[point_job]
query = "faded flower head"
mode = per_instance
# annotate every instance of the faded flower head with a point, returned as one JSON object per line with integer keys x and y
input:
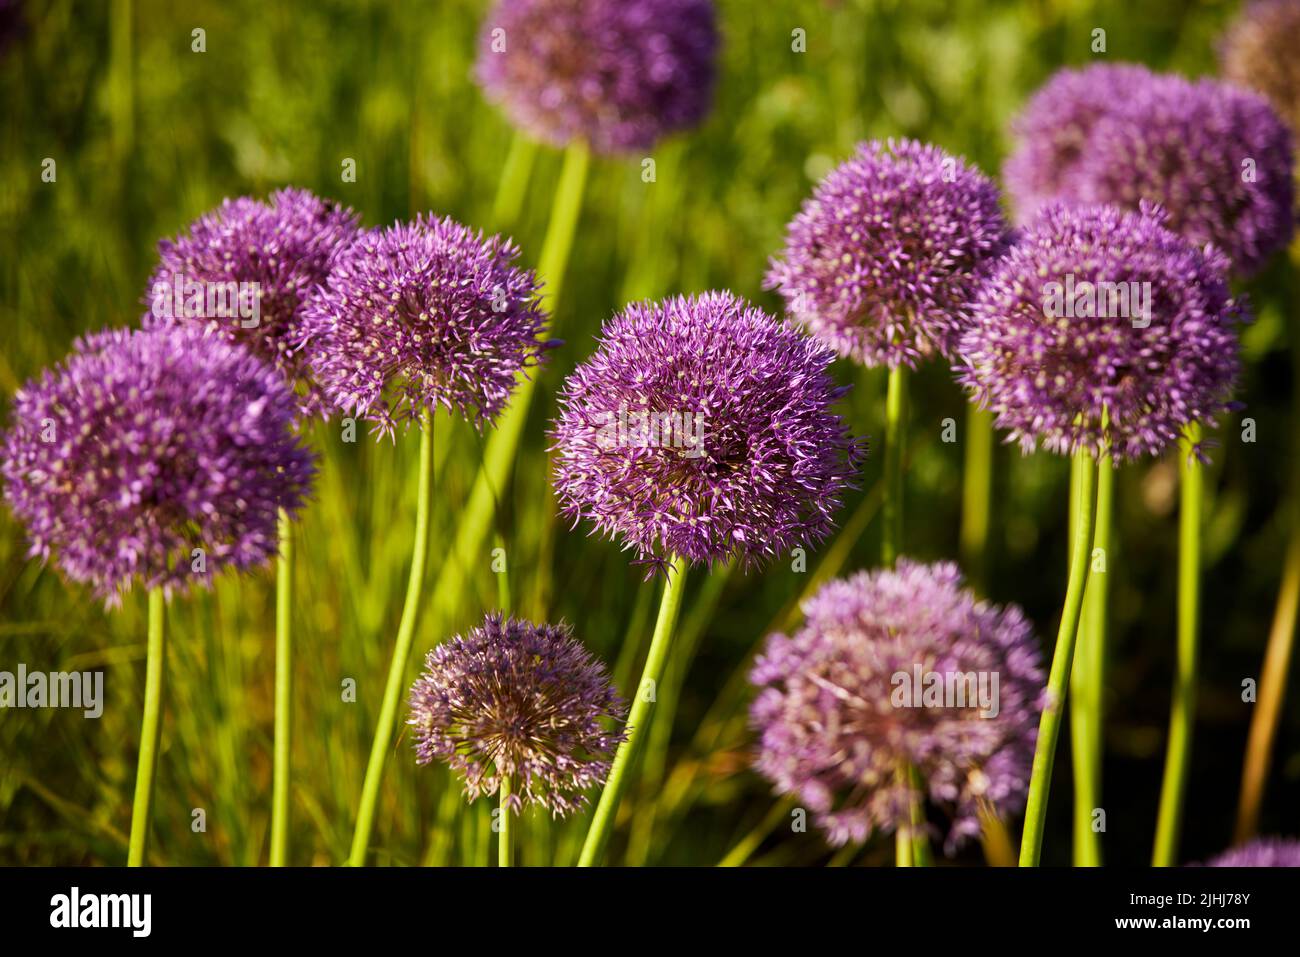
{"x": 898, "y": 670}
{"x": 702, "y": 427}
{"x": 1216, "y": 157}
{"x": 246, "y": 268}
{"x": 142, "y": 447}
{"x": 1259, "y": 53}
{"x": 525, "y": 701}
{"x": 619, "y": 74}
{"x": 1102, "y": 326}
{"x": 1261, "y": 852}
{"x": 423, "y": 314}
{"x": 882, "y": 260}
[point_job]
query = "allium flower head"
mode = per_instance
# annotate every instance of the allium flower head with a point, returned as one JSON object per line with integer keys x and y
{"x": 143, "y": 446}
{"x": 702, "y": 427}
{"x": 516, "y": 699}
{"x": 1218, "y": 158}
{"x": 1258, "y": 52}
{"x": 1102, "y": 326}
{"x": 1261, "y": 852}
{"x": 283, "y": 246}
{"x": 882, "y": 260}
{"x": 423, "y": 314}
{"x": 1053, "y": 131}
{"x": 619, "y": 74}
{"x": 898, "y": 670}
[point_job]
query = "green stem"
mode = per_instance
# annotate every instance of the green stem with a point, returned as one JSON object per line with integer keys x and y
{"x": 505, "y": 836}
{"x": 401, "y": 651}
{"x": 1088, "y": 680}
{"x": 911, "y": 846}
{"x": 1173, "y": 789}
{"x": 891, "y": 536}
{"x": 748, "y": 844}
{"x": 500, "y": 454}
{"x": 150, "y": 731}
{"x": 977, "y": 495}
{"x": 602, "y": 822}
{"x": 283, "y": 694}
{"x": 1058, "y": 680}
{"x": 513, "y": 184}
{"x": 1272, "y": 691}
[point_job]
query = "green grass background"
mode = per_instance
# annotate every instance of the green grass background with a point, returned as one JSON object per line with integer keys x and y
{"x": 147, "y": 135}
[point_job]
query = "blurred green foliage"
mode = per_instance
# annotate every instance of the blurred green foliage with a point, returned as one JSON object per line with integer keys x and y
{"x": 148, "y": 134}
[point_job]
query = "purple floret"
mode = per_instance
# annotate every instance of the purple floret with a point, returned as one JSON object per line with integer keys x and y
{"x": 702, "y": 427}
{"x": 515, "y": 699}
{"x": 1218, "y": 158}
{"x": 420, "y": 315}
{"x": 285, "y": 245}
{"x": 620, "y": 74}
{"x": 143, "y": 446}
{"x": 1261, "y": 852}
{"x": 882, "y": 261}
{"x": 1084, "y": 380}
{"x": 840, "y": 728}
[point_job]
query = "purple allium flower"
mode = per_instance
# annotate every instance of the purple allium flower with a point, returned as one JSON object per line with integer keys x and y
{"x": 1258, "y": 52}
{"x": 143, "y": 446}
{"x": 1053, "y": 131}
{"x": 1261, "y": 852}
{"x": 284, "y": 246}
{"x": 518, "y": 699}
{"x": 1218, "y": 158}
{"x": 1099, "y": 315}
{"x": 882, "y": 260}
{"x": 898, "y": 670}
{"x": 702, "y": 427}
{"x": 423, "y": 314}
{"x": 619, "y": 74}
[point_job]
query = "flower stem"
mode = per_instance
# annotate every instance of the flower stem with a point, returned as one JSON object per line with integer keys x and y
{"x": 1058, "y": 680}
{"x": 150, "y": 730}
{"x": 1173, "y": 790}
{"x": 976, "y": 495}
{"x": 1272, "y": 690}
{"x": 505, "y": 835}
{"x": 499, "y": 456}
{"x": 513, "y": 184}
{"x": 891, "y": 535}
{"x": 283, "y": 694}
{"x": 602, "y": 822}
{"x": 401, "y": 651}
{"x": 1281, "y": 635}
{"x": 1088, "y": 681}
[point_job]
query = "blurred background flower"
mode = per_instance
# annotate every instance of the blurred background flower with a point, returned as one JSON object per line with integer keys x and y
{"x": 619, "y": 74}
{"x": 834, "y": 731}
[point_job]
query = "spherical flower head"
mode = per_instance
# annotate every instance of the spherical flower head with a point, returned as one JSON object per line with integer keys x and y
{"x": 1258, "y": 52}
{"x": 1102, "y": 328}
{"x": 619, "y": 74}
{"x": 1261, "y": 852}
{"x": 898, "y": 672}
{"x": 246, "y": 268}
{"x": 882, "y": 261}
{"x": 1053, "y": 131}
{"x": 144, "y": 447}
{"x": 419, "y": 315}
{"x": 518, "y": 700}
{"x": 1216, "y": 157}
{"x": 701, "y": 427}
